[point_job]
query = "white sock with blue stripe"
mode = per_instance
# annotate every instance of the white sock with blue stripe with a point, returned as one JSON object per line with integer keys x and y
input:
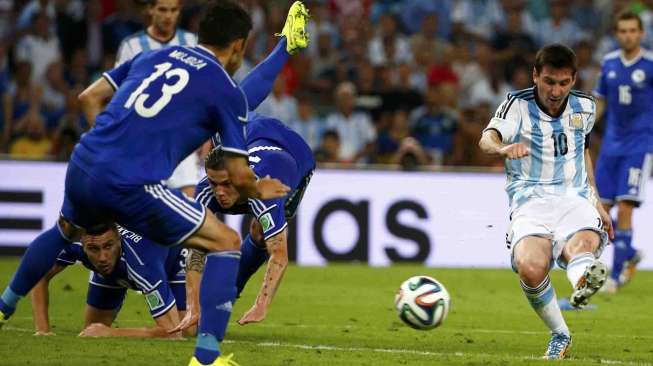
{"x": 545, "y": 303}
{"x": 577, "y": 266}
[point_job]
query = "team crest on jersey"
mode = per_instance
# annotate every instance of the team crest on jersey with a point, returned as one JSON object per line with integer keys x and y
{"x": 638, "y": 76}
{"x": 576, "y": 121}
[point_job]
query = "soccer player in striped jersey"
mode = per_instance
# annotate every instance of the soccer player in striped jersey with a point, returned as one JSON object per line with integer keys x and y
{"x": 625, "y": 91}
{"x": 161, "y": 33}
{"x": 277, "y": 151}
{"x": 543, "y": 133}
{"x": 121, "y": 260}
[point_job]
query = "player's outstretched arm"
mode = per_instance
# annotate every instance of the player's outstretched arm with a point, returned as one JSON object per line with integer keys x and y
{"x": 491, "y": 144}
{"x": 97, "y": 327}
{"x": 278, "y": 248}
{"x": 194, "y": 269}
{"x": 92, "y": 98}
{"x": 41, "y": 301}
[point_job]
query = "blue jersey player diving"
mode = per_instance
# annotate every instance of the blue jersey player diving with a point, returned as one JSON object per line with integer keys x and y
{"x": 121, "y": 260}
{"x": 276, "y": 151}
{"x": 555, "y": 216}
{"x": 164, "y": 104}
{"x": 624, "y": 96}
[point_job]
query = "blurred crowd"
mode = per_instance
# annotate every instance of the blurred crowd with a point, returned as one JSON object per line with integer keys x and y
{"x": 406, "y": 82}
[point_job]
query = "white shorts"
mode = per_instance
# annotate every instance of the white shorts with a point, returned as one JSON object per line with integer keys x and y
{"x": 557, "y": 219}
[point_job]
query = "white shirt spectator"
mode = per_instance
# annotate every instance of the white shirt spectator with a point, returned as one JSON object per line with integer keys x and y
{"x": 482, "y": 92}
{"x": 567, "y": 33}
{"x": 378, "y": 57}
{"x": 38, "y": 51}
{"x": 478, "y": 17}
{"x": 355, "y": 132}
{"x": 284, "y": 108}
{"x": 310, "y": 131}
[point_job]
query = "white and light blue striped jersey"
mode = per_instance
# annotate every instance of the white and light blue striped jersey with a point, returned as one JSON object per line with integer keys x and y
{"x": 143, "y": 42}
{"x": 556, "y": 164}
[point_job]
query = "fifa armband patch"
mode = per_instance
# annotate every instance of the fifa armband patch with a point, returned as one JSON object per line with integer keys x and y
{"x": 154, "y": 300}
{"x": 266, "y": 221}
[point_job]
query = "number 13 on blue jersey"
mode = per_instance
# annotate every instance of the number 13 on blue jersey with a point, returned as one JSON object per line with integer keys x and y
{"x": 138, "y": 97}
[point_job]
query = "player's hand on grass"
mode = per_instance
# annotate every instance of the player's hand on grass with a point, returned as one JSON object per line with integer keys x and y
{"x": 607, "y": 221}
{"x": 269, "y": 188}
{"x": 44, "y": 333}
{"x": 191, "y": 318}
{"x": 96, "y": 330}
{"x": 515, "y": 151}
{"x": 254, "y": 315}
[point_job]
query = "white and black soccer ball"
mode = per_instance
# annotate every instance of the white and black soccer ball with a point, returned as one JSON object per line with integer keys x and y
{"x": 422, "y": 302}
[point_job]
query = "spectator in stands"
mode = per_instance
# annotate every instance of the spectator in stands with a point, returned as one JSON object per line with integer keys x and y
{"x": 323, "y": 65}
{"x": 31, "y": 9}
{"x": 434, "y": 125}
{"x": 307, "y": 124}
{"x": 413, "y": 13}
{"x": 40, "y": 48}
{"x": 477, "y": 19}
{"x": 427, "y": 39}
{"x": 388, "y": 47}
{"x": 491, "y": 88}
{"x": 355, "y": 128}
{"x": 558, "y": 28}
{"x": 588, "y": 70}
{"x": 53, "y": 101}
{"x": 34, "y": 144}
{"x": 279, "y": 104}
{"x": 329, "y": 148}
{"x": 394, "y": 143}
{"x": 119, "y": 25}
{"x": 21, "y": 96}
{"x": 513, "y": 46}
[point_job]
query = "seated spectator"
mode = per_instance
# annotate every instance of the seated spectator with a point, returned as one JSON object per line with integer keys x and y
{"x": 55, "y": 89}
{"x": 355, "y": 128}
{"x": 21, "y": 96}
{"x": 558, "y": 28}
{"x": 395, "y": 142}
{"x": 40, "y": 48}
{"x": 307, "y": 124}
{"x": 33, "y": 144}
{"x": 388, "y": 47}
{"x": 279, "y": 104}
{"x": 329, "y": 148}
{"x": 434, "y": 125}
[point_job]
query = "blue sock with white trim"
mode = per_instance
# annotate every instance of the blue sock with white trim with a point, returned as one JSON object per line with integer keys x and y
{"x": 217, "y": 295}
{"x": 257, "y": 85}
{"x": 38, "y": 260}
{"x": 543, "y": 300}
{"x": 623, "y": 251}
{"x": 251, "y": 260}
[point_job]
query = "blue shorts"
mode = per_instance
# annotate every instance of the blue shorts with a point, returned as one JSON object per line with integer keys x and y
{"x": 623, "y": 178}
{"x": 156, "y": 212}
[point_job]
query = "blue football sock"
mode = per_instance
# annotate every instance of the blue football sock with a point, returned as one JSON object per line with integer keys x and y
{"x": 251, "y": 259}
{"x": 622, "y": 251}
{"x": 217, "y": 294}
{"x": 37, "y": 261}
{"x": 258, "y": 83}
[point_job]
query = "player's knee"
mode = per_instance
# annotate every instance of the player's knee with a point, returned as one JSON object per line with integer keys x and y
{"x": 587, "y": 243}
{"x": 532, "y": 268}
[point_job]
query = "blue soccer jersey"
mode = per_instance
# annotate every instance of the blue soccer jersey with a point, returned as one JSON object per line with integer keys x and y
{"x": 627, "y": 87}
{"x": 279, "y": 152}
{"x": 167, "y": 103}
{"x": 144, "y": 266}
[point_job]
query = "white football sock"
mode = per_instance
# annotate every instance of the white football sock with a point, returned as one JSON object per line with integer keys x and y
{"x": 577, "y": 266}
{"x": 545, "y": 303}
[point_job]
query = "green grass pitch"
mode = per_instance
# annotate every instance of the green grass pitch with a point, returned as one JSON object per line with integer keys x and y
{"x": 344, "y": 315}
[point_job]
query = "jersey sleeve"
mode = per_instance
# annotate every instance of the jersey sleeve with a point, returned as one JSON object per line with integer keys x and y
{"x": 69, "y": 255}
{"x": 146, "y": 268}
{"x": 270, "y": 215}
{"x": 118, "y": 74}
{"x": 506, "y": 120}
{"x": 230, "y": 114}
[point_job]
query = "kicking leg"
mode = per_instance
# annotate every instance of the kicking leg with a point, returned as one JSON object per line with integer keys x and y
{"x": 585, "y": 272}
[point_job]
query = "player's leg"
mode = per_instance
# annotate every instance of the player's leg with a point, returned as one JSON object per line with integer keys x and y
{"x": 257, "y": 85}
{"x": 42, "y": 252}
{"x": 623, "y": 248}
{"x": 532, "y": 260}
{"x": 586, "y": 273}
{"x": 254, "y": 254}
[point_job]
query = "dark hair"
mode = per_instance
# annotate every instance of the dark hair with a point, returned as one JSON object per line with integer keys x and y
{"x": 100, "y": 229}
{"x": 331, "y": 134}
{"x": 557, "y": 56}
{"x": 215, "y": 159}
{"x": 628, "y": 15}
{"x": 223, "y": 22}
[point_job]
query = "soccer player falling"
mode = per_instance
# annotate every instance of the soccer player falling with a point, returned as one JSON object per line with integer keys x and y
{"x": 624, "y": 91}
{"x": 556, "y": 217}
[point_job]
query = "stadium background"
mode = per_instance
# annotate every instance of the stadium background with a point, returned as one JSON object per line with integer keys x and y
{"x": 388, "y": 86}
{"x": 428, "y": 75}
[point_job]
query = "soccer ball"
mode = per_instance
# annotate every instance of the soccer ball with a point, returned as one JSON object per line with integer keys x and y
{"x": 422, "y": 302}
